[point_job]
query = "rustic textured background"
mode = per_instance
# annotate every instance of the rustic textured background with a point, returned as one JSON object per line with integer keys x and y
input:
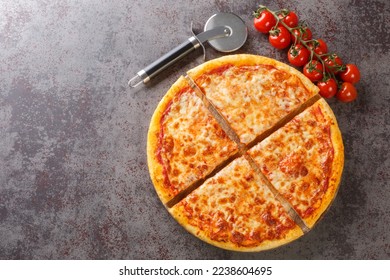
{"x": 74, "y": 181}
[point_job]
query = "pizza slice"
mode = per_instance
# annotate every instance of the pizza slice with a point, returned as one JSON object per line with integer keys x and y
{"x": 185, "y": 143}
{"x": 253, "y": 93}
{"x": 304, "y": 160}
{"x": 235, "y": 210}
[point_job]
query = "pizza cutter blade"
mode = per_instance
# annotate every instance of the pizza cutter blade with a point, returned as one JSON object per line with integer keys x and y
{"x": 225, "y": 32}
{"x": 237, "y": 27}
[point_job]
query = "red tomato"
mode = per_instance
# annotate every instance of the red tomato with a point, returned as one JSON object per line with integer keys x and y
{"x": 351, "y": 74}
{"x": 313, "y": 70}
{"x": 319, "y": 46}
{"x": 333, "y": 63}
{"x": 279, "y": 37}
{"x": 327, "y": 88}
{"x": 347, "y": 92}
{"x": 302, "y": 33}
{"x": 264, "y": 21}
{"x": 298, "y": 55}
{"x": 289, "y": 18}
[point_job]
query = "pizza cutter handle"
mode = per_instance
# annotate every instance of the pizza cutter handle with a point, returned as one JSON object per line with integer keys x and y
{"x": 163, "y": 62}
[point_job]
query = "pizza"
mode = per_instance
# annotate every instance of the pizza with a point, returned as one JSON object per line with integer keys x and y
{"x": 234, "y": 210}
{"x": 303, "y": 160}
{"x": 252, "y": 93}
{"x": 185, "y": 142}
{"x": 244, "y": 153}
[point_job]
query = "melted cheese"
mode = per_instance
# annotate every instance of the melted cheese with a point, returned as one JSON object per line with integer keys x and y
{"x": 191, "y": 143}
{"x": 253, "y": 98}
{"x": 297, "y": 160}
{"x": 235, "y": 207}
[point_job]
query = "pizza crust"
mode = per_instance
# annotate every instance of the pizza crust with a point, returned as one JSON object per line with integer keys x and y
{"x": 292, "y": 235}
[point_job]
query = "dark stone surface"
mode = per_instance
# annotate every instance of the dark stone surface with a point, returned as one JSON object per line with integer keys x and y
{"x": 74, "y": 183}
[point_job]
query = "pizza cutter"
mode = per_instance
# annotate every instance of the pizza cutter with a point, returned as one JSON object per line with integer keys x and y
{"x": 225, "y": 32}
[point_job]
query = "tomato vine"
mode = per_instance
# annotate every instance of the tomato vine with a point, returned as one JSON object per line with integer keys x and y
{"x": 326, "y": 69}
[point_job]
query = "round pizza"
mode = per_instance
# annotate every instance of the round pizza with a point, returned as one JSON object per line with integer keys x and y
{"x": 244, "y": 153}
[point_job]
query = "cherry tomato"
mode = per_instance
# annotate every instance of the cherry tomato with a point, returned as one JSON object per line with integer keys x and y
{"x": 313, "y": 70}
{"x": 327, "y": 88}
{"x": 279, "y": 37}
{"x": 298, "y": 55}
{"x": 351, "y": 74}
{"x": 333, "y": 63}
{"x": 319, "y": 46}
{"x": 264, "y": 21}
{"x": 289, "y": 18}
{"x": 347, "y": 92}
{"x": 302, "y": 33}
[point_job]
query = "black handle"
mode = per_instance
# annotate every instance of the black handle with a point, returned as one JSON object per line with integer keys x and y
{"x": 169, "y": 58}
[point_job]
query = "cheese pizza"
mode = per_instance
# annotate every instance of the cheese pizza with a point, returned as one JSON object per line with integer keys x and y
{"x": 235, "y": 210}
{"x": 253, "y": 93}
{"x": 244, "y": 153}
{"x": 303, "y": 160}
{"x": 185, "y": 142}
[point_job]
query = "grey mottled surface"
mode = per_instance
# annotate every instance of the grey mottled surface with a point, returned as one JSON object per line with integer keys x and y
{"x": 74, "y": 182}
